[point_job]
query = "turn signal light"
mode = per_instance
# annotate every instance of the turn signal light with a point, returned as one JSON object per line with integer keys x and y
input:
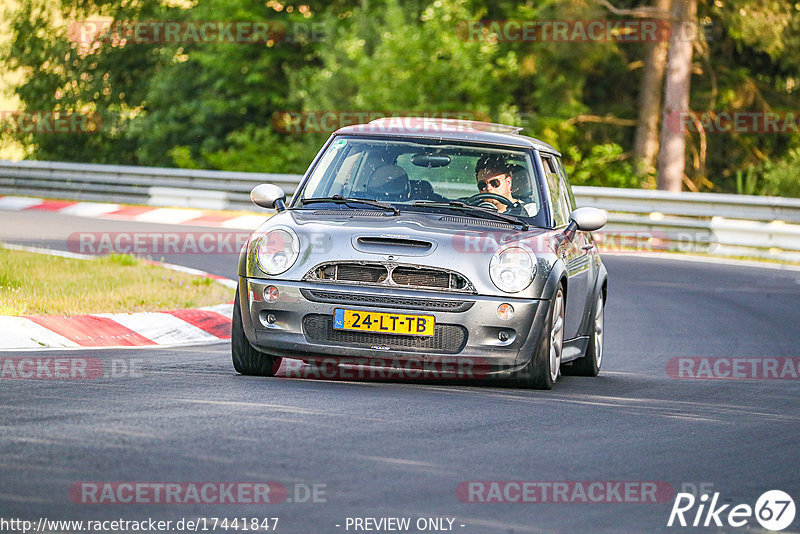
{"x": 505, "y": 312}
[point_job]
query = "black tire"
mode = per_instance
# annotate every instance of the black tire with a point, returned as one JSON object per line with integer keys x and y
{"x": 246, "y": 359}
{"x": 539, "y": 373}
{"x": 589, "y": 365}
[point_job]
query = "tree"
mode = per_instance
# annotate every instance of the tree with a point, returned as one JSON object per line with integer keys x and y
{"x": 64, "y": 74}
{"x": 645, "y": 146}
{"x": 214, "y": 104}
{"x": 672, "y": 149}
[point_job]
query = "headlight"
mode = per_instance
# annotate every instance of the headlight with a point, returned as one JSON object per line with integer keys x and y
{"x": 512, "y": 269}
{"x": 277, "y": 250}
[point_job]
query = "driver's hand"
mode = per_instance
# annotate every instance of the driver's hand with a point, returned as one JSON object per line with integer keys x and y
{"x": 496, "y": 203}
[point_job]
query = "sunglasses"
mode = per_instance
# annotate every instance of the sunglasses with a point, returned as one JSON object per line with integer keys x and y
{"x": 494, "y": 182}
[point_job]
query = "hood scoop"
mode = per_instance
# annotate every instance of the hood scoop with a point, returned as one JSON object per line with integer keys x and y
{"x": 399, "y": 245}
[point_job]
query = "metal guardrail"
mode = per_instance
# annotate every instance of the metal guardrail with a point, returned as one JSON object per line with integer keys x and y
{"x": 718, "y": 224}
{"x": 154, "y": 186}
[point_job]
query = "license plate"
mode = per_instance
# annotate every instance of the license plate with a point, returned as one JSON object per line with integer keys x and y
{"x": 386, "y": 323}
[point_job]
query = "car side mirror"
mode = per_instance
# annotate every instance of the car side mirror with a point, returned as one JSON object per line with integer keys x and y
{"x": 588, "y": 219}
{"x": 268, "y": 196}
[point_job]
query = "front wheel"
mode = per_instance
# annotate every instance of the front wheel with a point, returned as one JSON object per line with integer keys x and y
{"x": 590, "y": 364}
{"x": 541, "y": 372}
{"x": 246, "y": 359}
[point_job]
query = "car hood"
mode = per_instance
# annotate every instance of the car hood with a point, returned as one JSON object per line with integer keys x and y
{"x": 445, "y": 240}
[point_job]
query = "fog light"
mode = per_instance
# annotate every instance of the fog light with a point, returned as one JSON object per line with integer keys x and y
{"x": 271, "y": 318}
{"x": 505, "y": 312}
{"x": 503, "y": 336}
{"x": 271, "y": 293}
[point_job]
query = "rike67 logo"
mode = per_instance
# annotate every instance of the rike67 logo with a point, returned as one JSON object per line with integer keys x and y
{"x": 774, "y": 510}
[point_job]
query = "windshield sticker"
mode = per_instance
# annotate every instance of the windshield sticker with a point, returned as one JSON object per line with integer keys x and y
{"x": 338, "y": 144}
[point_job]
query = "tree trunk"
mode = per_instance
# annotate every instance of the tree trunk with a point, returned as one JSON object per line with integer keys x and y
{"x": 645, "y": 146}
{"x": 672, "y": 150}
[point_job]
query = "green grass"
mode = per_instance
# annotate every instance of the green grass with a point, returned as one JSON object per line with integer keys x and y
{"x": 37, "y": 284}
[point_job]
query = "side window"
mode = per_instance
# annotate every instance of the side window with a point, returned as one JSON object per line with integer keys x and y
{"x": 568, "y": 187}
{"x": 558, "y": 192}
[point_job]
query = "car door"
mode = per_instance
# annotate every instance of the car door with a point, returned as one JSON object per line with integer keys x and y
{"x": 573, "y": 252}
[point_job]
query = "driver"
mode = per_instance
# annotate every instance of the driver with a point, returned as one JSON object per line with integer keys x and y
{"x": 494, "y": 176}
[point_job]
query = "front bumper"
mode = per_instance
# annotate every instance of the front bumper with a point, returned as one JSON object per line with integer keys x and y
{"x": 299, "y": 325}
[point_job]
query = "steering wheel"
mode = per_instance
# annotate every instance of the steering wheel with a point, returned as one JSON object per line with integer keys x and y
{"x": 474, "y": 199}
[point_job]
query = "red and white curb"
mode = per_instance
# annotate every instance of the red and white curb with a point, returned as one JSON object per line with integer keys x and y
{"x": 180, "y": 327}
{"x": 134, "y": 213}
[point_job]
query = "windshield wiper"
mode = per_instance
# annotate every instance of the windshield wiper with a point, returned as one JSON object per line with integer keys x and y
{"x": 339, "y": 199}
{"x": 475, "y": 210}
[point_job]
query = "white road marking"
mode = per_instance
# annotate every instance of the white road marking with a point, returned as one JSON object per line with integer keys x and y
{"x": 18, "y": 203}
{"x": 47, "y": 251}
{"x": 162, "y": 328}
{"x": 168, "y": 215}
{"x": 89, "y": 209}
{"x": 19, "y": 332}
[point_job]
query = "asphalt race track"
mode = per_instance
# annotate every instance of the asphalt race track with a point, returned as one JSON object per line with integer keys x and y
{"x": 379, "y": 450}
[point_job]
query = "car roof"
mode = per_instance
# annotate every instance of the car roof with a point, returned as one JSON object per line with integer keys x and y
{"x": 449, "y": 130}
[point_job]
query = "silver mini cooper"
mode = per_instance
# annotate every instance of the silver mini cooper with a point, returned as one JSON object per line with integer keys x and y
{"x": 434, "y": 248}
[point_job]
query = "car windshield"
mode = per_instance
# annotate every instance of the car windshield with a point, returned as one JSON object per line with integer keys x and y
{"x": 426, "y": 175}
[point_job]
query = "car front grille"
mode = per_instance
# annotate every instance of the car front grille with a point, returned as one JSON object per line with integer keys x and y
{"x": 409, "y": 276}
{"x": 446, "y": 339}
{"x": 406, "y": 276}
{"x": 351, "y": 272}
{"x": 386, "y": 301}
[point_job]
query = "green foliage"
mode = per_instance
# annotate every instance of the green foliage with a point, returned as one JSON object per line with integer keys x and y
{"x": 9, "y": 283}
{"x": 405, "y": 63}
{"x": 782, "y": 177}
{"x": 261, "y": 148}
{"x": 123, "y": 259}
{"x": 63, "y": 74}
{"x": 202, "y": 282}
{"x": 748, "y": 61}
{"x": 603, "y": 166}
{"x": 215, "y": 100}
{"x": 747, "y": 182}
{"x": 764, "y": 26}
{"x": 214, "y": 104}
